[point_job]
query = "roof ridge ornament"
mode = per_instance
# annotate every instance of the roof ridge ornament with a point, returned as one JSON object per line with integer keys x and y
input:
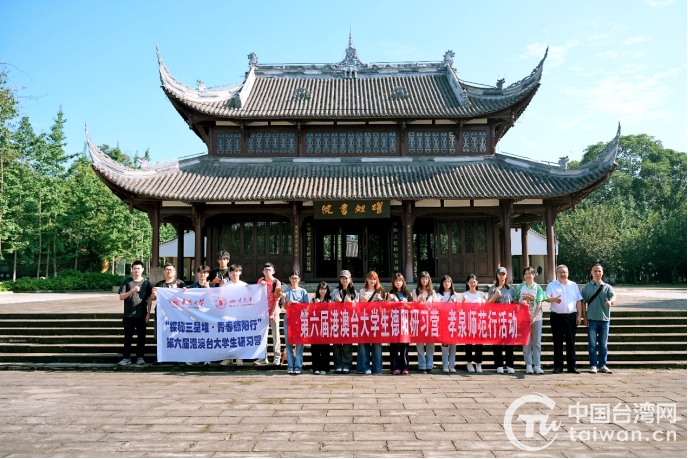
{"x": 449, "y": 58}
{"x": 253, "y": 60}
{"x": 351, "y": 64}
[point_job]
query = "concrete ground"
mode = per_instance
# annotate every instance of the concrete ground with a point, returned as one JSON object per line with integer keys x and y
{"x": 628, "y": 298}
{"x": 187, "y": 414}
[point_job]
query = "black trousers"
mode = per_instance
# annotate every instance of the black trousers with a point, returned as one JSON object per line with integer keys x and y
{"x": 564, "y": 329}
{"x": 322, "y": 353}
{"x": 478, "y": 353}
{"x": 507, "y": 351}
{"x": 398, "y": 356}
{"x": 134, "y": 325}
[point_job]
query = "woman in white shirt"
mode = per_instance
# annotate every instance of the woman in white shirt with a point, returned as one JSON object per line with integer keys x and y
{"x": 446, "y": 294}
{"x": 473, "y": 295}
{"x": 424, "y": 293}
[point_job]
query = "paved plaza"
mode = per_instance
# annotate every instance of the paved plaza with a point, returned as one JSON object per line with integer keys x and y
{"x": 179, "y": 414}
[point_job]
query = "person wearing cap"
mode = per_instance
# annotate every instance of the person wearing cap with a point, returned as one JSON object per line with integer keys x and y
{"x": 502, "y": 292}
{"x": 344, "y": 293}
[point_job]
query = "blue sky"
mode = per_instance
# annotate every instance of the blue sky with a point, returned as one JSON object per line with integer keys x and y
{"x": 609, "y": 61}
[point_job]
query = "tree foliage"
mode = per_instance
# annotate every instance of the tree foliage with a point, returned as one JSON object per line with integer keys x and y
{"x": 55, "y": 213}
{"x": 635, "y": 223}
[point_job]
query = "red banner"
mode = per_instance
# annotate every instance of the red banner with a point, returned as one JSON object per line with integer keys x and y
{"x": 396, "y": 322}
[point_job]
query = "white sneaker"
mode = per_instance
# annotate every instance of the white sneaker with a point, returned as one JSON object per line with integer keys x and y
{"x": 124, "y": 362}
{"x": 452, "y": 369}
{"x": 316, "y": 372}
{"x": 470, "y": 368}
{"x": 291, "y": 372}
{"x": 593, "y": 369}
{"x": 500, "y": 370}
{"x": 297, "y": 371}
{"x": 539, "y": 370}
{"x": 510, "y": 370}
{"x": 238, "y": 362}
{"x": 445, "y": 368}
{"x": 529, "y": 369}
{"x": 604, "y": 369}
{"x": 368, "y": 372}
{"x": 276, "y": 362}
{"x": 478, "y": 368}
{"x": 225, "y": 362}
{"x": 140, "y": 361}
{"x": 260, "y": 362}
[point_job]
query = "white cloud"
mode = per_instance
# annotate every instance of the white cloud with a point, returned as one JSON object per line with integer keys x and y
{"x": 636, "y": 40}
{"x": 555, "y": 56}
{"x": 569, "y": 124}
{"x": 658, "y": 3}
{"x": 634, "y": 99}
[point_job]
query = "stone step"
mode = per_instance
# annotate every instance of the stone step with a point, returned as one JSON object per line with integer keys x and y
{"x": 113, "y": 338}
{"x": 642, "y": 360}
{"x": 647, "y": 351}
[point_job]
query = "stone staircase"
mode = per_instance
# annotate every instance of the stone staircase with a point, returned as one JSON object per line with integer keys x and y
{"x": 638, "y": 339}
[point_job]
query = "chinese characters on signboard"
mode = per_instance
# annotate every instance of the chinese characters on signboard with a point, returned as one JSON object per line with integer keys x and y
{"x": 324, "y": 210}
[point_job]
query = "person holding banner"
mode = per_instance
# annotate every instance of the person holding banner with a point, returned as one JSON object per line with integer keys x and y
{"x": 201, "y": 277}
{"x": 135, "y": 291}
{"x": 235, "y": 274}
{"x": 170, "y": 281}
{"x": 368, "y": 353}
{"x": 398, "y": 352}
{"x": 502, "y": 292}
{"x": 531, "y": 294}
{"x": 473, "y": 295}
{"x": 294, "y": 294}
{"x": 424, "y": 293}
{"x": 321, "y": 352}
{"x": 344, "y": 293}
{"x": 274, "y": 290}
{"x": 446, "y": 294}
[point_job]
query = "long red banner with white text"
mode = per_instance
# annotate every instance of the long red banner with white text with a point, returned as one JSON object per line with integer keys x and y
{"x": 396, "y": 322}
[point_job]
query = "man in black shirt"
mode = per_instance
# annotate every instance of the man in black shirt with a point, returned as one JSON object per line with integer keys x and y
{"x": 220, "y": 275}
{"x": 135, "y": 291}
{"x": 201, "y": 277}
{"x": 170, "y": 281}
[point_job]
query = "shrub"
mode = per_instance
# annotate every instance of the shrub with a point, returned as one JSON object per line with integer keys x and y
{"x": 66, "y": 281}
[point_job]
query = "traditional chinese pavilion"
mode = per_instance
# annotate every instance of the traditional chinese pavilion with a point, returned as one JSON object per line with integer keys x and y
{"x": 354, "y": 165}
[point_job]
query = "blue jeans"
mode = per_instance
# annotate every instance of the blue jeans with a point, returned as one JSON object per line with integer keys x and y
{"x": 368, "y": 353}
{"x": 425, "y": 351}
{"x": 293, "y": 361}
{"x": 598, "y": 332}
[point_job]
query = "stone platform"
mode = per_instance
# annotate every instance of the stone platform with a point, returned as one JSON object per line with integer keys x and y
{"x": 271, "y": 414}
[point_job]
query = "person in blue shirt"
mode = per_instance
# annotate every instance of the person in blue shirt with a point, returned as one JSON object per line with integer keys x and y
{"x": 294, "y": 294}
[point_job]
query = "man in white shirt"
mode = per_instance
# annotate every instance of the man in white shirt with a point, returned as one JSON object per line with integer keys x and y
{"x": 565, "y": 306}
{"x": 235, "y": 271}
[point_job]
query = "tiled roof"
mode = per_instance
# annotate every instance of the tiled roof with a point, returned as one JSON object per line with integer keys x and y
{"x": 350, "y": 89}
{"x": 208, "y": 178}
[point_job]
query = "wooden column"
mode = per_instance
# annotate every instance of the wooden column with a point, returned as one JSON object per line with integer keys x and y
{"x": 525, "y": 253}
{"x": 198, "y": 218}
{"x": 497, "y": 246}
{"x": 408, "y": 241}
{"x": 154, "y": 217}
{"x": 550, "y": 259}
{"x": 296, "y": 236}
{"x": 506, "y": 206}
{"x": 180, "y": 249}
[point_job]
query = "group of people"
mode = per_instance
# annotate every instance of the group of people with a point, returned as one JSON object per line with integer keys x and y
{"x": 569, "y": 306}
